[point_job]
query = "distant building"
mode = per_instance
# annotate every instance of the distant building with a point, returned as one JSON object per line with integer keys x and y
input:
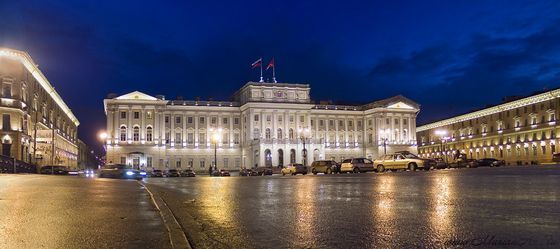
{"x": 86, "y": 157}
{"x": 37, "y": 126}
{"x": 265, "y": 125}
{"x": 521, "y": 131}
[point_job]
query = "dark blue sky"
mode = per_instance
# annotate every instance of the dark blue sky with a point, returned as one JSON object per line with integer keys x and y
{"x": 450, "y": 56}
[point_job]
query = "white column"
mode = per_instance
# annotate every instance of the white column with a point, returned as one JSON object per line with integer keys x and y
{"x": 184, "y": 132}
{"x": 172, "y": 132}
{"x": 196, "y": 131}
{"x": 142, "y": 124}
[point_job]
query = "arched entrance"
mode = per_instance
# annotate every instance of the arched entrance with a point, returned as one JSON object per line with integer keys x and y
{"x": 267, "y": 158}
{"x": 280, "y": 158}
{"x": 292, "y": 156}
{"x": 316, "y": 155}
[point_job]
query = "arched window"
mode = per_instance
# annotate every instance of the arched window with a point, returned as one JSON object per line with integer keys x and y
{"x": 267, "y": 133}
{"x": 123, "y": 133}
{"x": 136, "y": 133}
{"x": 149, "y": 134}
{"x": 291, "y": 133}
{"x": 279, "y": 134}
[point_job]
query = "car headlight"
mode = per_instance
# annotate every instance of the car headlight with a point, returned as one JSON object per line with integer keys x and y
{"x": 143, "y": 173}
{"x": 129, "y": 173}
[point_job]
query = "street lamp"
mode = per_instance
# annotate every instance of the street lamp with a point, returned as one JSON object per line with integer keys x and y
{"x": 216, "y": 138}
{"x": 303, "y": 135}
{"x": 384, "y": 138}
{"x": 443, "y": 138}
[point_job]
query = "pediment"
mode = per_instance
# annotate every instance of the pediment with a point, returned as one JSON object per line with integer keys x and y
{"x": 136, "y": 95}
{"x": 400, "y": 105}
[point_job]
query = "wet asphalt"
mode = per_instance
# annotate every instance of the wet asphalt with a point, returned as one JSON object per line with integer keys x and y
{"x": 43, "y": 211}
{"x": 507, "y": 207}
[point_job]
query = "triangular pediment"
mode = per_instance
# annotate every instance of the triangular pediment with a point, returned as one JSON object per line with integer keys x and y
{"x": 136, "y": 95}
{"x": 400, "y": 105}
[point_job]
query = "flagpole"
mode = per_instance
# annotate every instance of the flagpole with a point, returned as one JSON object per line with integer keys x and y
{"x": 261, "y": 72}
{"x": 273, "y": 72}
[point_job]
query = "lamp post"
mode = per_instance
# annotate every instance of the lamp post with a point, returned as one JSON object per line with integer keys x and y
{"x": 442, "y": 134}
{"x": 303, "y": 135}
{"x": 103, "y": 136}
{"x": 384, "y": 138}
{"x": 216, "y": 138}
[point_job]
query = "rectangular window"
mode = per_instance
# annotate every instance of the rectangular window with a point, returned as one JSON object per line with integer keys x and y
{"x": 136, "y": 115}
{"x": 166, "y": 119}
{"x": 6, "y": 122}
{"x": 405, "y": 121}
{"x": 340, "y": 124}
{"x": 291, "y": 119}
{"x": 225, "y": 121}
{"x": 202, "y": 138}
{"x": 256, "y": 118}
{"x": 7, "y": 90}
{"x": 236, "y": 138}
{"x": 280, "y": 118}
{"x": 301, "y": 118}
{"x": 201, "y": 120}
{"x": 177, "y": 120}
{"x": 226, "y": 162}
{"x": 190, "y": 163}
{"x": 213, "y": 121}
{"x": 190, "y": 138}
{"x": 123, "y": 114}
{"x": 178, "y": 138}
{"x": 189, "y": 120}
{"x": 149, "y": 161}
{"x": 321, "y": 122}
{"x": 396, "y": 121}
{"x": 268, "y": 118}
{"x": 236, "y": 121}
{"x": 202, "y": 163}
{"x": 237, "y": 163}
{"x": 149, "y": 115}
{"x": 387, "y": 121}
{"x": 178, "y": 163}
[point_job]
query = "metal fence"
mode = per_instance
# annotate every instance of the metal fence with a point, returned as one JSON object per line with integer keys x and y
{"x": 7, "y": 165}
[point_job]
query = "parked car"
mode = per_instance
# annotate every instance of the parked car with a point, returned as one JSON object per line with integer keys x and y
{"x": 119, "y": 171}
{"x": 491, "y": 162}
{"x": 403, "y": 160}
{"x": 156, "y": 173}
{"x": 248, "y": 172}
{"x": 325, "y": 166}
{"x": 440, "y": 163}
{"x": 222, "y": 172}
{"x": 188, "y": 173}
{"x": 556, "y": 157}
{"x": 54, "y": 169}
{"x": 172, "y": 173}
{"x": 356, "y": 165}
{"x": 294, "y": 169}
{"x": 265, "y": 172}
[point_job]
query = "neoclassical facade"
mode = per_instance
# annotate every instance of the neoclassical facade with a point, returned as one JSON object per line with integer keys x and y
{"x": 521, "y": 131}
{"x": 265, "y": 124}
{"x": 37, "y": 125}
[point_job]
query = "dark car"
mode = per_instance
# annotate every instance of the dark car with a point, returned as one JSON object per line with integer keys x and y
{"x": 325, "y": 166}
{"x": 172, "y": 173}
{"x": 119, "y": 171}
{"x": 188, "y": 173}
{"x": 55, "y": 170}
{"x": 491, "y": 162}
{"x": 247, "y": 172}
{"x": 156, "y": 173}
{"x": 440, "y": 163}
{"x": 265, "y": 172}
{"x": 221, "y": 172}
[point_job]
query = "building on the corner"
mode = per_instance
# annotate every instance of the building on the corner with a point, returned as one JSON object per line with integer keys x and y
{"x": 86, "y": 157}
{"x": 37, "y": 126}
{"x": 265, "y": 124}
{"x": 520, "y": 131}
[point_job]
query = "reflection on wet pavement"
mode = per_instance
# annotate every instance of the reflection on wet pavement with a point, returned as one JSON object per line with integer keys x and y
{"x": 445, "y": 208}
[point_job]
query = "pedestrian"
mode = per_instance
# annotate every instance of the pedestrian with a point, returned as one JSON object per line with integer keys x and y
{"x": 210, "y": 170}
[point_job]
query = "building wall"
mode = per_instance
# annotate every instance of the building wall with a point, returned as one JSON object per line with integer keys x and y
{"x": 252, "y": 133}
{"x": 523, "y": 131}
{"x": 34, "y": 111}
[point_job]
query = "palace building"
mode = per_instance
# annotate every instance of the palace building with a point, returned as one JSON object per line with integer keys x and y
{"x": 37, "y": 126}
{"x": 520, "y": 131}
{"x": 264, "y": 124}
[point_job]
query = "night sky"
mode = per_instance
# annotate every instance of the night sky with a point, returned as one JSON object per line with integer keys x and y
{"x": 449, "y": 56}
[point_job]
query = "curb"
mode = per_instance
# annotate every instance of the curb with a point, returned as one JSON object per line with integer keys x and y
{"x": 177, "y": 236}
